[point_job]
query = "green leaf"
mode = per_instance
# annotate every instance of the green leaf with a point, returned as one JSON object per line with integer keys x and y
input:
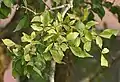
{"x": 48, "y": 48}
{"x": 59, "y": 17}
{"x": 37, "y": 71}
{"x": 86, "y": 13}
{"x": 45, "y": 18}
{"x": 47, "y": 56}
{"x": 52, "y": 31}
{"x": 87, "y": 46}
{"x": 22, "y": 23}
{"x": 36, "y": 27}
{"x": 61, "y": 39}
{"x": 90, "y": 24}
{"x": 105, "y": 51}
{"x": 64, "y": 47}
{"x": 80, "y": 26}
{"x": 36, "y": 19}
{"x": 88, "y": 36}
{"x": 8, "y": 3}
{"x": 33, "y": 35}
{"x": 73, "y": 16}
{"x": 108, "y": 33}
{"x": 47, "y": 37}
{"x": 72, "y": 22}
{"x": 8, "y": 42}
{"x": 77, "y": 42}
{"x": 56, "y": 56}
{"x": 72, "y": 35}
{"x": 99, "y": 41}
{"x": 77, "y": 51}
{"x": 104, "y": 62}
{"x": 27, "y": 57}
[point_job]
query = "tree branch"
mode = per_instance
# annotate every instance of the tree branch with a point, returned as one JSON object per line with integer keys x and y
{"x": 52, "y": 71}
{"x": 6, "y": 21}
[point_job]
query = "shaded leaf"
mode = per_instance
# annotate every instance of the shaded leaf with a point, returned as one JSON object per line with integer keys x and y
{"x": 21, "y": 24}
{"x": 37, "y": 71}
{"x": 7, "y": 3}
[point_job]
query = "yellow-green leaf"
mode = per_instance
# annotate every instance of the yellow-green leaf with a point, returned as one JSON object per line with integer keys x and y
{"x": 48, "y": 48}
{"x": 27, "y": 57}
{"x": 8, "y": 42}
{"x": 104, "y": 62}
{"x": 105, "y": 51}
{"x": 72, "y": 36}
{"x": 87, "y": 46}
{"x": 99, "y": 41}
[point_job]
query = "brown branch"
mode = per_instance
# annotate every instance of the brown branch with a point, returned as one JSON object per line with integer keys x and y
{"x": 47, "y": 3}
{"x": 6, "y": 21}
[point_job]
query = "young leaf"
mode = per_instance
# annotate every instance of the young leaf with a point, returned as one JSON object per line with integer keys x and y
{"x": 105, "y": 51}
{"x": 87, "y": 46}
{"x": 72, "y": 36}
{"x": 99, "y": 41}
{"x": 8, "y": 42}
{"x": 104, "y": 62}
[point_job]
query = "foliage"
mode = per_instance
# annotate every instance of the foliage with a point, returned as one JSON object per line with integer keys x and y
{"x": 54, "y": 33}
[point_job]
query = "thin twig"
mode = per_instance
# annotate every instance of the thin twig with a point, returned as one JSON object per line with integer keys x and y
{"x": 58, "y": 7}
{"x": 29, "y": 9}
{"x": 46, "y": 4}
{"x": 70, "y": 5}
